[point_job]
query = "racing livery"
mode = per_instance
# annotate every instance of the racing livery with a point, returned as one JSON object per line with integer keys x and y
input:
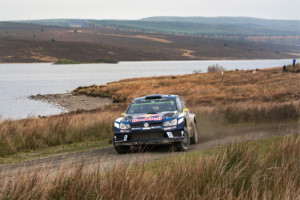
{"x": 155, "y": 119}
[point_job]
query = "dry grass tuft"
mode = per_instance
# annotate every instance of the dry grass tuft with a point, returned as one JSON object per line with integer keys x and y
{"x": 215, "y": 68}
{"x": 294, "y": 69}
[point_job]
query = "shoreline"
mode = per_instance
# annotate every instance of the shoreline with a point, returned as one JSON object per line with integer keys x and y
{"x": 73, "y": 103}
{"x": 215, "y": 59}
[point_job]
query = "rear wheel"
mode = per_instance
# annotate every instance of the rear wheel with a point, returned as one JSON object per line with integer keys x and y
{"x": 194, "y": 139}
{"x": 183, "y": 145}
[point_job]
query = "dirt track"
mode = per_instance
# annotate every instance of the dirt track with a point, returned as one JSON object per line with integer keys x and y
{"x": 107, "y": 158}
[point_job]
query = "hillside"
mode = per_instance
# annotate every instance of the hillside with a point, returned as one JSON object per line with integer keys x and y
{"x": 192, "y": 25}
{"x": 286, "y": 32}
{"x": 21, "y": 42}
{"x": 287, "y": 25}
{"x": 207, "y": 89}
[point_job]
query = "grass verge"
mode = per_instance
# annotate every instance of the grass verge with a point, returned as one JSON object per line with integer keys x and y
{"x": 53, "y": 151}
{"x": 36, "y": 134}
{"x": 247, "y": 170}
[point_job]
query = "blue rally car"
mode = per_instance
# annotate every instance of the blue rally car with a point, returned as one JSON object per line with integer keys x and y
{"x": 155, "y": 119}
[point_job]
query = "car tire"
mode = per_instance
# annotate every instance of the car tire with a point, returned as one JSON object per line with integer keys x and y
{"x": 184, "y": 145}
{"x": 122, "y": 149}
{"x": 194, "y": 139}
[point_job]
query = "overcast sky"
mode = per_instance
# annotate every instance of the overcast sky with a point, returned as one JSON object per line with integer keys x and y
{"x": 136, "y": 9}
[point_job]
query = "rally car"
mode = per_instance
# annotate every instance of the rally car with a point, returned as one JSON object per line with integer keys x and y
{"x": 155, "y": 119}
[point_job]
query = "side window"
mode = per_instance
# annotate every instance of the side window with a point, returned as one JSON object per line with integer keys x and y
{"x": 182, "y": 101}
{"x": 180, "y": 108}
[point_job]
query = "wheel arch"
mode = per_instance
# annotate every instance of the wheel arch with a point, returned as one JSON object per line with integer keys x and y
{"x": 193, "y": 122}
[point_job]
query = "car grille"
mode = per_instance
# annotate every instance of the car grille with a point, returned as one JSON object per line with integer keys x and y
{"x": 142, "y": 125}
{"x": 147, "y": 135}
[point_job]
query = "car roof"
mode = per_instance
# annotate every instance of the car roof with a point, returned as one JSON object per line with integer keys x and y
{"x": 157, "y": 96}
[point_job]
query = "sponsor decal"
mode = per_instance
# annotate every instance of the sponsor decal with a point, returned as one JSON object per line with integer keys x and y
{"x": 170, "y": 134}
{"x": 143, "y": 118}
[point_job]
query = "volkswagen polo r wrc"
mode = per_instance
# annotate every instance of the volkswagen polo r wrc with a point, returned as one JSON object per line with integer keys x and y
{"x": 155, "y": 119}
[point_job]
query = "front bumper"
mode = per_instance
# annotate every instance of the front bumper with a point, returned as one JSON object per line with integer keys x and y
{"x": 149, "y": 141}
{"x": 153, "y": 136}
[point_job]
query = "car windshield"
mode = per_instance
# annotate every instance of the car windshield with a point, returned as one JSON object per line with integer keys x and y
{"x": 152, "y": 106}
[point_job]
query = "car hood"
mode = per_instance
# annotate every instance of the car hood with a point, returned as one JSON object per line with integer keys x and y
{"x": 141, "y": 118}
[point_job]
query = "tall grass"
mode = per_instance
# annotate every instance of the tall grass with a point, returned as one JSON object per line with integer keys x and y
{"x": 39, "y": 133}
{"x": 239, "y": 171}
{"x": 255, "y": 113}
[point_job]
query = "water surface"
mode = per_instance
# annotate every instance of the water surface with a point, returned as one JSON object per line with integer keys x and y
{"x": 18, "y": 81}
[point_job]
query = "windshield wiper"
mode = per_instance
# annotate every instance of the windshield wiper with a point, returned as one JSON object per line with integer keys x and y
{"x": 151, "y": 113}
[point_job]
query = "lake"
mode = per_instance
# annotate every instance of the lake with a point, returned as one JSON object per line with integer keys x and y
{"x": 18, "y": 81}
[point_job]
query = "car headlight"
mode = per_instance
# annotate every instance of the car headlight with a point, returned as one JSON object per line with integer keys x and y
{"x": 172, "y": 122}
{"x": 124, "y": 126}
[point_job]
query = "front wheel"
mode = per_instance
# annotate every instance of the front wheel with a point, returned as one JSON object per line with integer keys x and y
{"x": 183, "y": 145}
{"x": 194, "y": 139}
{"x": 122, "y": 149}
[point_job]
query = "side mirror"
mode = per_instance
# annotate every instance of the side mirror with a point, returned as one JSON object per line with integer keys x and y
{"x": 123, "y": 114}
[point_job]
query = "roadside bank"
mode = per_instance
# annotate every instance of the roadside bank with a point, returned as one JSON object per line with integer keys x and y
{"x": 73, "y": 102}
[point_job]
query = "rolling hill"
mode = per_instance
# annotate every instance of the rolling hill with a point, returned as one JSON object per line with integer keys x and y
{"x": 92, "y": 40}
{"x": 191, "y": 25}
